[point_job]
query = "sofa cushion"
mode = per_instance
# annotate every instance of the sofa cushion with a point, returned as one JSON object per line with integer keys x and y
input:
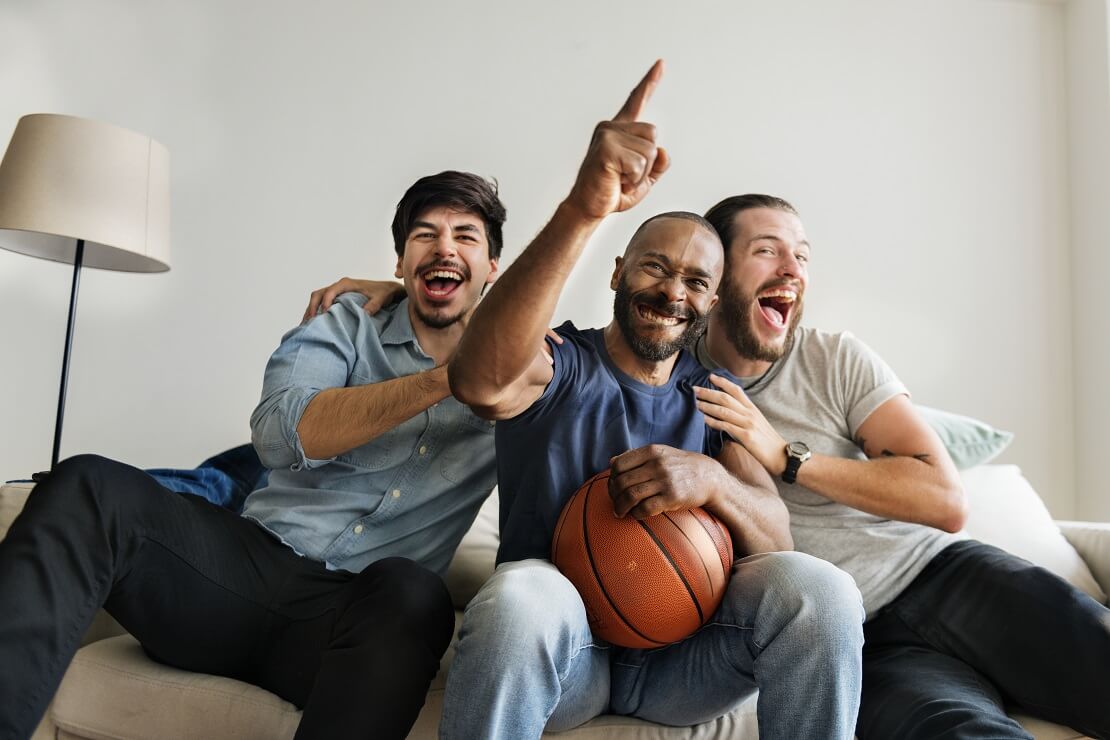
{"x": 112, "y": 690}
{"x": 1006, "y": 512}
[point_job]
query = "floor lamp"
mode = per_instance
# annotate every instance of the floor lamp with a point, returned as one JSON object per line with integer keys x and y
{"x": 88, "y": 194}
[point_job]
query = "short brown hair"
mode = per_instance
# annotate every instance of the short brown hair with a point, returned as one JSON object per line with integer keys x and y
{"x": 723, "y": 215}
{"x": 460, "y": 190}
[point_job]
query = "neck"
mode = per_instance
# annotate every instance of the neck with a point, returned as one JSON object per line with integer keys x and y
{"x": 724, "y": 353}
{"x": 439, "y": 344}
{"x": 648, "y": 372}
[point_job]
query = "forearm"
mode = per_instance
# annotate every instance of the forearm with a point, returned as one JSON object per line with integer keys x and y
{"x": 753, "y": 512}
{"x": 341, "y": 419}
{"x": 502, "y": 337}
{"x": 906, "y": 488}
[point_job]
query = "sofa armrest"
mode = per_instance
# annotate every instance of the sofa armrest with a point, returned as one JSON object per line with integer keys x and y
{"x": 1092, "y": 541}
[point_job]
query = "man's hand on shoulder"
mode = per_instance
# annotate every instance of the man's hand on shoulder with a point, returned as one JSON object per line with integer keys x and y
{"x": 730, "y": 411}
{"x": 623, "y": 161}
{"x": 379, "y": 294}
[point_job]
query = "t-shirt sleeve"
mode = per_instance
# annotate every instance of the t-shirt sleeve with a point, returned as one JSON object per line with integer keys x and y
{"x": 567, "y": 372}
{"x": 868, "y": 382}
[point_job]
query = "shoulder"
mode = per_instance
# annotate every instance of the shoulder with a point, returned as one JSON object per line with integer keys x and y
{"x": 833, "y": 347}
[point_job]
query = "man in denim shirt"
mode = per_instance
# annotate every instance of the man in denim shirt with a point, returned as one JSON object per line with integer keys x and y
{"x": 325, "y": 591}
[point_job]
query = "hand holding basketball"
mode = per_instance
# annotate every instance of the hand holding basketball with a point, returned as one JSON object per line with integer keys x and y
{"x": 656, "y": 478}
{"x": 644, "y": 582}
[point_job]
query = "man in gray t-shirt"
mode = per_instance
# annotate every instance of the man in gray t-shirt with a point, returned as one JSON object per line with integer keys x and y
{"x": 955, "y": 628}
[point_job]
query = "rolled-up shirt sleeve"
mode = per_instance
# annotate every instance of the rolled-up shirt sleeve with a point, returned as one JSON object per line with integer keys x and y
{"x": 312, "y": 357}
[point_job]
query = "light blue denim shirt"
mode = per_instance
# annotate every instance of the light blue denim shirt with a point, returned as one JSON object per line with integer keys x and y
{"x": 413, "y": 491}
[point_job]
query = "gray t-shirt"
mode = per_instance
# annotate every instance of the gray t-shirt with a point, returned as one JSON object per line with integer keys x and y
{"x": 819, "y": 393}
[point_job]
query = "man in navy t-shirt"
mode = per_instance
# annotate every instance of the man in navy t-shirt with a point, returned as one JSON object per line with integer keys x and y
{"x": 622, "y": 398}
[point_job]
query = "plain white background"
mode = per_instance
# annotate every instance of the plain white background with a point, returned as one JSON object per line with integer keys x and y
{"x": 932, "y": 147}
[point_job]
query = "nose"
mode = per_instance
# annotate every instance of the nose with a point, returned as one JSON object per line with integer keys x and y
{"x": 673, "y": 288}
{"x": 789, "y": 266}
{"x": 445, "y": 245}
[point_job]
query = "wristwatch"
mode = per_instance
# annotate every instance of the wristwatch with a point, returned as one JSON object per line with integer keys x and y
{"x": 796, "y": 454}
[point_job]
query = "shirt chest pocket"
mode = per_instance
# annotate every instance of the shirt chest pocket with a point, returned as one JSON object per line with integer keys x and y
{"x": 471, "y": 441}
{"x": 390, "y": 449}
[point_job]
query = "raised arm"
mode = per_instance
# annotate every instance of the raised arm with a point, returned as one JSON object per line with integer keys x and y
{"x": 496, "y": 369}
{"x": 909, "y": 475}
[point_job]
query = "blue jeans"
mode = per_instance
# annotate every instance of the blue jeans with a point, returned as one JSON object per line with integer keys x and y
{"x": 225, "y": 479}
{"x": 979, "y": 629}
{"x": 790, "y": 626}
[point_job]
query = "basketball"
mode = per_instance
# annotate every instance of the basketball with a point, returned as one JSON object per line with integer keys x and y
{"x": 645, "y": 583}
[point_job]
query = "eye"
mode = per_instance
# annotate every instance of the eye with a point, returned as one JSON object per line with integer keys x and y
{"x": 423, "y": 235}
{"x": 765, "y": 250}
{"x": 466, "y": 238}
{"x": 654, "y": 267}
{"x": 697, "y": 284}
{"x": 802, "y": 258}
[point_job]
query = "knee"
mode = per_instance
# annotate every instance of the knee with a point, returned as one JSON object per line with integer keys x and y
{"x": 522, "y": 603}
{"x": 83, "y": 480}
{"x": 807, "y": 593}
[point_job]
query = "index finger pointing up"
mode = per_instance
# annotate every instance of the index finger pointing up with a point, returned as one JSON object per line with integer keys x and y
{"x": 640, "y": 94}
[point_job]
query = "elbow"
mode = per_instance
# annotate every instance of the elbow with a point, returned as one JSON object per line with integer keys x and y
{"x": 467, "y": 389}
{"x": 955, "y": 510}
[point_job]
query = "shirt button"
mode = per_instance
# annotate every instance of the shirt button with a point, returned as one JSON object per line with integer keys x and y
{"x": 358, "y": 529}
{"x": 423, "y": 450}
{"x": 396, "y": 493}
{"x": 491, "y": 423}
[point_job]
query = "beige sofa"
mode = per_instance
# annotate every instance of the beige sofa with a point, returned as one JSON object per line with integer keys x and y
{"x": 112, "y": 690}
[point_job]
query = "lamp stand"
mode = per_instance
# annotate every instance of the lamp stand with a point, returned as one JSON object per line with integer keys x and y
{"x": 78, "y": 257}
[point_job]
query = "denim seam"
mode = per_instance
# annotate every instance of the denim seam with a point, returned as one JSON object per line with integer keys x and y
{"x": 574, "y": 655}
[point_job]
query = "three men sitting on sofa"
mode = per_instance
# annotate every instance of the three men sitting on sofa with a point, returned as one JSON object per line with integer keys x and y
{"x": 312, "y": 603}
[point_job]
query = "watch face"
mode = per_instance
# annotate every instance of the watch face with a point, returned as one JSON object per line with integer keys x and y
{"x": 797, "y": 449}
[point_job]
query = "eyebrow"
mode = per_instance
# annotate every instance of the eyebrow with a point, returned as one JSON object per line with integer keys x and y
{"x": 429, "y": 225}
{"x": 692, "y": 271}
{"x": 774, "y": 238}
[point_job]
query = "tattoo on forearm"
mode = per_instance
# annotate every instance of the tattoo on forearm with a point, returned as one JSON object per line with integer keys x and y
{"x": 862, "y": 443}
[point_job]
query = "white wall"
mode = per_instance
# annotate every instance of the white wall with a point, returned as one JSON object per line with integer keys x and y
{"x": 924, "y": 142}
{"x": 1089, "y": 166}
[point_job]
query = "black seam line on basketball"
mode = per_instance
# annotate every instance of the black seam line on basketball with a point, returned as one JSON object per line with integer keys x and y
{"x": 708, "y": 577}
{"x": 727, "y": 566}
{"x": 597, "y": 576}
{"x": 681, "y": 576}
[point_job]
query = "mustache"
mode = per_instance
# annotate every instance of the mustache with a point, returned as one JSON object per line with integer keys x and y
{"x": 459, "y": 267}
{"x": 780, "y": 283}
{"x": 661, "y": 305}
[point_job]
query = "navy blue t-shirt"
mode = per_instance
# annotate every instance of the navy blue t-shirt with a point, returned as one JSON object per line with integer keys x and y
{"x": 589, "y": 412}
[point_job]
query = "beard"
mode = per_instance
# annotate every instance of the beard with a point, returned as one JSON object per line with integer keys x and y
{"x": 736, "y": 310}
{"x": 437, "y": 320}
{"x": 646, "y": 348}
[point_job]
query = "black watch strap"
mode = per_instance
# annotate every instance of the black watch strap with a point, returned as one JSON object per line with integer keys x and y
{"x": 791, "y": 473}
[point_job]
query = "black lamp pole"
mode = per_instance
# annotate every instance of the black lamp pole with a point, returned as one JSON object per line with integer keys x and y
{"x": 69, "y": 344}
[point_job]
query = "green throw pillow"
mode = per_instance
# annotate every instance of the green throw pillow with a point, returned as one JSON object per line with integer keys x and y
{"x": 969, "y": 441}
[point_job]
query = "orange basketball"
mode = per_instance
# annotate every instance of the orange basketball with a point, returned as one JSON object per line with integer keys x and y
{"x": 645, "y": 583}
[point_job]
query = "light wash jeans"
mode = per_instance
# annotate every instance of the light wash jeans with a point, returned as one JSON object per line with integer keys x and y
{"x": 790, "y": 626}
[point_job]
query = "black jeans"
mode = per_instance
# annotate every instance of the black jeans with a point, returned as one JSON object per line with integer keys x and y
{"x": 206, "y": 590}
{"x": 977, "y": 629}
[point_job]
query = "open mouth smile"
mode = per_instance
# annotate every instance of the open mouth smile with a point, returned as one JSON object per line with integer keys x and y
{"x": 776, "y": 304}
{"x": 652, "y": 316}
{"x": 441, "y": 282}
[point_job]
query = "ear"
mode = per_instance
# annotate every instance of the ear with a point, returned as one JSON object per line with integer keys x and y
{"x": 713, "y": 302}
{"x": 398, "y": 273}
{"x": 494, "y": 271}
{"x": 616, "y": 279}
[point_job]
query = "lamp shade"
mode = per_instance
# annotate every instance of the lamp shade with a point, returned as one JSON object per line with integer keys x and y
{"x": 65, "y": 178}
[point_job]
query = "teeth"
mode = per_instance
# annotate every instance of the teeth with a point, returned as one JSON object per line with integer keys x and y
{"x": 657, "y": 318}
{"x": 442, "y": 274}
{"x": 787, "y": 295}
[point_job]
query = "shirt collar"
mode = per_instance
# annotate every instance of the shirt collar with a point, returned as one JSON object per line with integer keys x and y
{"x": 398, "y": 328}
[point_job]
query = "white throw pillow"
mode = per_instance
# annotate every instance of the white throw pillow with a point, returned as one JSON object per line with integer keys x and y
{"x": 1006, "y": 512}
